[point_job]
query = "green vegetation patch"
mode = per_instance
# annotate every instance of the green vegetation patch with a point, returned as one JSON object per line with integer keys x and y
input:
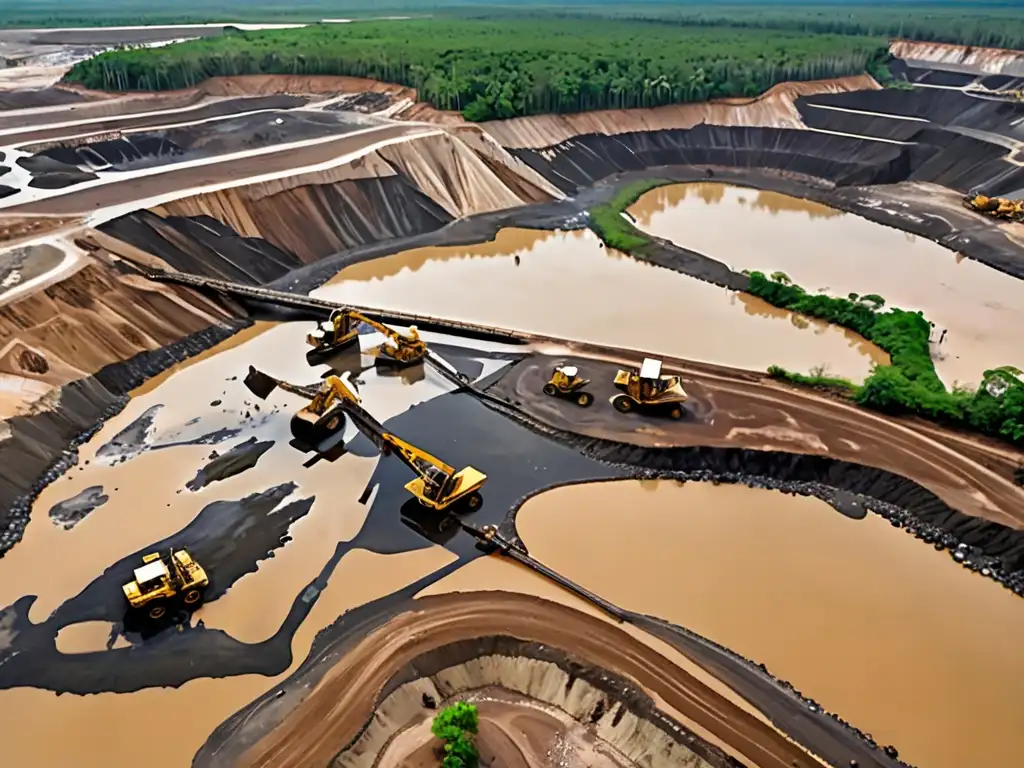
{"x": 909, "y": 386}
{"x": 503, "y": 68}
{"x": 456, "y": 726}
{"x": 608, "y": 222}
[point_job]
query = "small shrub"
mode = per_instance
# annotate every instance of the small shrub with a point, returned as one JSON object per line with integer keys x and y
{"x": 455, "y": 726}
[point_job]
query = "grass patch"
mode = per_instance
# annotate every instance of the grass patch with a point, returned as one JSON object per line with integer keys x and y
{"x": 608, "y": 223}
{"x": 818, "y": 378}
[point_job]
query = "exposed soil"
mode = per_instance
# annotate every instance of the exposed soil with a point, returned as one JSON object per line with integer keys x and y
{"x": 733, "y": 410}
{"x": 334, "y": 711}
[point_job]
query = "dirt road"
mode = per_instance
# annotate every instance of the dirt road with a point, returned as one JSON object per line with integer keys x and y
{"x": 334, "y": 711}
{"x": 744, "y": 410}
{"x": 193, "y": 178}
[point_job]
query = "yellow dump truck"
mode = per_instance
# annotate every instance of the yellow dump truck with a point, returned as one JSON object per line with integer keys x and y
{"x": 161, "y": 582}
{"x": 566, "y": 382}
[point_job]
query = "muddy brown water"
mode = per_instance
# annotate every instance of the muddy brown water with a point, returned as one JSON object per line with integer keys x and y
{"x": 566, "y": 285}
{"x": 824, "y": 249}
{"x": 148, "y": 501}
{"x": 45, "y": 730}
{"x": 856, "y": 614}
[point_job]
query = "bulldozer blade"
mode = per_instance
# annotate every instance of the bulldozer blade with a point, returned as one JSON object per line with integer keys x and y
{"x": 259, "y": 383}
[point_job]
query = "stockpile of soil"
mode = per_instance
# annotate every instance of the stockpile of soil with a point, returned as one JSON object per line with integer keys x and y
{"x": 40, "y": 97}
{"x": 48, "y": 173}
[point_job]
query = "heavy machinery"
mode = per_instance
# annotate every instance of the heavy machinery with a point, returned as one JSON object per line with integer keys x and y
{"x": 342, "y": 331}
{"x": 436, "y": 486}
{"x": 650, "y": 390}
{"x": 314, "y": 423}
{"x": 160, "y": 582}
{"x": 996, "y": 207}
{"x": 566, "y": 382}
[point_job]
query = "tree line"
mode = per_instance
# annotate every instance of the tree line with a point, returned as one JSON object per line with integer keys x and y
{"x": 505, "y": 68}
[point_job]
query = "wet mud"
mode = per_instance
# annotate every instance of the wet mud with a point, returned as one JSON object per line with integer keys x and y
{"x": 72, "y": 511}
{"x": 979, "y": 307}
{"x": 731, "y": 564}
{"x": 736, "y": 427}
{"x": 525, "y": 279}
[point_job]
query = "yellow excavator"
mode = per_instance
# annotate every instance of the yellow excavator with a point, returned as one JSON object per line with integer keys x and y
{"x": 436, "y": 486}
{"x": 996, "y": 207}
{"x": 648, "y": 389}
{"x": 342, "y": 331}
{"x": 160, "y": 581}
{"x": 566, "y": 382}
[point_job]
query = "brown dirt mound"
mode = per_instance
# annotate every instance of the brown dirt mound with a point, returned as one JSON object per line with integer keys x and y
{"x": 991, "y": 60}
{"x": 774, "y": 108}
{"x": 343, "y": 701}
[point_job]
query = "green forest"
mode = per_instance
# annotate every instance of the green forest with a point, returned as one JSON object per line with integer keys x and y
{"x": 497, "y": 69}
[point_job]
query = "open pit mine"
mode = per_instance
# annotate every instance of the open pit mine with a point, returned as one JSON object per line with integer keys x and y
{"x": 323, "y": 410}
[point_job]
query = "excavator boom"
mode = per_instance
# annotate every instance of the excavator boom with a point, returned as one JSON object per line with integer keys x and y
{"x": 437, "y": 484}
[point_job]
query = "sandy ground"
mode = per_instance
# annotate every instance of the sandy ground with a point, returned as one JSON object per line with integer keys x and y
{"x": 342, "y": 701}
{"x": 876, "y": 603}
{"x": 742, "y": 411}
{"x": 515, "y": 732}
{"x": 982, "y": 309}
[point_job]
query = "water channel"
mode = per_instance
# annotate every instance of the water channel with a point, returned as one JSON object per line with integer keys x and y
{"x": 566, "y": 285}
{"x": 821, "y": 248}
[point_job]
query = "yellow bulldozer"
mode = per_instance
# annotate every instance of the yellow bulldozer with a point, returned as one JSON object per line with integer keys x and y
{"x": 342, "y": 331}
{"x": 566, "y": 382}
{"x": 162, "y": 582}
{"x": 649, "y": 390}
{"x": 436, "y": 486}
{"x": 996, "y": 207}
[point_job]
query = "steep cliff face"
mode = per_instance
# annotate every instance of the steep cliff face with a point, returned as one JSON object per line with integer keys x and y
{"x": 987, "y": 60}
{"x": 91, "y": 318}
{"x": 257, "y": 232}
{"x": 774, "y": 108}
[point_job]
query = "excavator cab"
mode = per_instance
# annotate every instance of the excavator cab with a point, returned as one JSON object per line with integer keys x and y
{"x": 402, "y": 349}
{"x": 331, "y": 337}
{"x": 315, "y": 423}
{"x": 650, "y": 390}
{"x": 566, "y": 382}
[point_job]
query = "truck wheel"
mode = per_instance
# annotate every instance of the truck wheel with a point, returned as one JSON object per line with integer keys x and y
{"x": 192, "y": 597}
{"x": 474, "y": 500}
{"x": 676, "y": 413}
{"x": 550, "y": 390}
{"x": 584, "y": 399}
{"x": 623, "y": 403}
{"x": 157, "y": 610}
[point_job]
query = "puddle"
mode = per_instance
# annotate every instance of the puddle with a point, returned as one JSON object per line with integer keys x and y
{"x": 822, "y": 248}
{"x": 566, "y": 285}
{"x": 147, "y": 495}
{"x": 84, "y": 637}
{"x": 857, "y": 615}
{"x": 43, "y": 729}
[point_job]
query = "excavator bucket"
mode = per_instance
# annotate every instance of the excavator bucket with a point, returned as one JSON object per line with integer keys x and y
{"x": 259, "y": 383}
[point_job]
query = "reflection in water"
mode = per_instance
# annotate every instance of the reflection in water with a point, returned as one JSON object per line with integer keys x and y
{"x": 856, "y": 614}
{"x": 824, "y": 249}
{"x": 567, "y": 286}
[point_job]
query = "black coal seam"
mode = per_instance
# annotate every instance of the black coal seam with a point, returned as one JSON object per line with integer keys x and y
{"x": 619, "y": 689}
{"x": 105, "y": 395}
